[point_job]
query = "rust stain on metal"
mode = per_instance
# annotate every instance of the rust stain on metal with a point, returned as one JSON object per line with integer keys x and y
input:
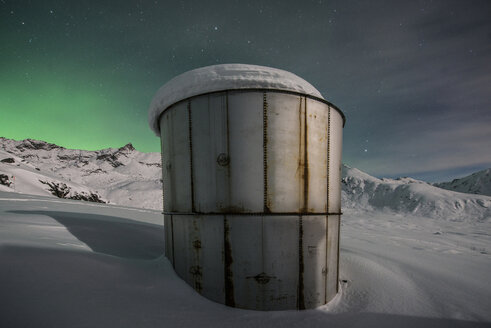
{"x": 303, "y": 161}
{"x": 197, "y": 244}
{"x": 232, "y": 209}
{"x": 197, "y": 273}
{"x": 312, "y": 250}
{"x": 229, "y": 279}
{"x": 300, "y": 292}
{"x": 262, "y": 278}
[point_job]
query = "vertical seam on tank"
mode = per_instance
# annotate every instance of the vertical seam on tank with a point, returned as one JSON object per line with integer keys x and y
{"x": 228, "y": 260}
{"x": 337, "y": 268}
{"x": 300, "y": 291}
{"x": 172, "y": 237}
{"x": 327, "y": 263}
{"x": 305, "y": 161}
{"x": 265, "y": 154}
{"x": 328, "y": 153}
{"x": 162, "y": 170}
{"x": 190, "y": 132}
{"x": 172, "y": 184}
{"x": 265, "y": 178}
{"x": 266, "y": 208}
{"x": 228, "y": 149}
{"x": 327, "y": 200}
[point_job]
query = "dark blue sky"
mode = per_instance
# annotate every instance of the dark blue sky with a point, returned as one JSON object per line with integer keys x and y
{"x": 412, "y": 77}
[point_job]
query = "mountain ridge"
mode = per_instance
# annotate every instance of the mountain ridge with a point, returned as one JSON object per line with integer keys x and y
{"x": 125, "y": 176}
{"x": 475, "y": 183}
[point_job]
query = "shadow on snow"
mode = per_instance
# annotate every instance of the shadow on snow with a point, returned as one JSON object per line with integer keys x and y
{"x": 111, "y": 235}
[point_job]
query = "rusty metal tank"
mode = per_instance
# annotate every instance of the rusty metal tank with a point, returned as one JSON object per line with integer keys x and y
{"x": 251, "y": 161}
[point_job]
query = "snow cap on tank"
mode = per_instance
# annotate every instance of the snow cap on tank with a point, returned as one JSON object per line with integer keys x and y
{"x": 224, "y": 77}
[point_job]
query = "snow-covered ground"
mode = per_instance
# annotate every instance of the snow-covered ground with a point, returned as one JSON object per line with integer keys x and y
{"x": 412, "y": 254}
{"x": 66, "y": 263}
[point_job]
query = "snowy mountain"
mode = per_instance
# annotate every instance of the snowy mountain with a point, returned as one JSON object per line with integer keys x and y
{"x": 125, "y": 176}
{"x": 476, "y": 183}
{"x": 410, "y": 196}
{"x": 122, "y": 176}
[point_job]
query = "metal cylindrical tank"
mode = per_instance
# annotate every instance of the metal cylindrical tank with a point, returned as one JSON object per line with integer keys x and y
{"x": 251, "y": 160}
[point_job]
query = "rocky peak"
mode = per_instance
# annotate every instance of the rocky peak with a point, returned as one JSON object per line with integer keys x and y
{"x": 36, "y": 145}
{"x": 128, "y": 147}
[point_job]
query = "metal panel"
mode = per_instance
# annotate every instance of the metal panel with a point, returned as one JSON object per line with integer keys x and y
{"x": 335, "y": 149}
{"x": 245, "y": 116}
{"x": 314, "y": 258}
{"x": 285, "y": 128}
{"x": 218, "y": 111}
{"x": 246, "y": 243}
{"x": 179, "y": 158}
{"x": 209, "y": 135}
{"x": 204, "y": 159}
{"x": 183, "y": 250}
{"x": 166, "y": 143}
{"x": 211, "y": 259}
{"x": 317, "y": 123}
{"x": 198, "y": 242}
{"x": 332, "y": 256}
{"x": 280, "y": 272}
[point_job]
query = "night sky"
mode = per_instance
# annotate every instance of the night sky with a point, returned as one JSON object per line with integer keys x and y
{"x": 412, "y": 77}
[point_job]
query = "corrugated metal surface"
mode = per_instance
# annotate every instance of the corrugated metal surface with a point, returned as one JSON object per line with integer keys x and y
{"x": 252, "y": 197}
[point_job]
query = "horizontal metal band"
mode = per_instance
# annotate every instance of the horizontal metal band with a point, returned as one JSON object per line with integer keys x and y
{"x": 253, "y": 213}
{"x": 261, "y": 90}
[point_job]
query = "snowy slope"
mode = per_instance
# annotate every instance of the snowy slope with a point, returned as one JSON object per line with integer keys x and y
{"x": 121, "y": 176}
{"x": 78, "y": 264}
{"x": 476, "y": 183}
{"x": 410, "y": 196}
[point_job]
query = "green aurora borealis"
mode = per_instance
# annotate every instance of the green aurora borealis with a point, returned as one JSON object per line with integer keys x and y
{"x": 412, "y": 78}
{"x": 69, "y": 109}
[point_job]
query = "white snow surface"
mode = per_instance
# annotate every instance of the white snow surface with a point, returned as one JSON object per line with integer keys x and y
{"x": 68, "y": 263}
{"x": 224, "y": 77}
{"x": 412, "y": 254}
{"x": 476, "y": 183}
